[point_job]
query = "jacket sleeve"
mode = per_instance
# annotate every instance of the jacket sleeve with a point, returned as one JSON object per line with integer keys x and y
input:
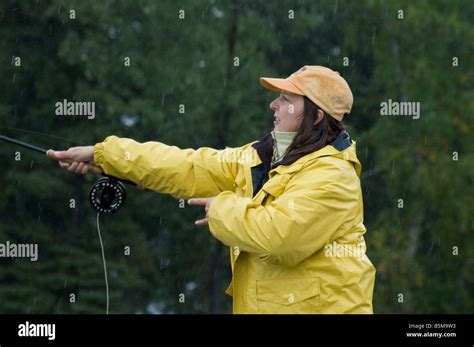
{"x": 182, "y": 173}
{"x": 300, "y": 222}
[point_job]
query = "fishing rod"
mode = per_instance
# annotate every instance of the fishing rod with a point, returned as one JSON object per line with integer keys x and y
{"x": 107, "y": 195}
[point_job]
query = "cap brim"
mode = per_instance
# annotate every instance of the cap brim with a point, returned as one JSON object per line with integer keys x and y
{"x": 279, "y": 84}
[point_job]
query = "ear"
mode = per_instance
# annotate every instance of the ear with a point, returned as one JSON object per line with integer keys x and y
{"x": 318, "y": 117}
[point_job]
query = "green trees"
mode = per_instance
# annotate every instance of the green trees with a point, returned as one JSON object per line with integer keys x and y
{"x": 186, "y": 73}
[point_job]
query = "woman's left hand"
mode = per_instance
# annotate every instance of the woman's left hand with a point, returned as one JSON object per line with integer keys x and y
{"x": 206, "y": 202}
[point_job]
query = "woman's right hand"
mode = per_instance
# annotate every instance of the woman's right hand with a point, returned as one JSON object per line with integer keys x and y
{"x": 76, "y": 159}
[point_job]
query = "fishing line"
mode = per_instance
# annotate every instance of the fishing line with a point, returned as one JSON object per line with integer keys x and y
{"x": 39, "y": 133}
{"x": 104, "y": 262}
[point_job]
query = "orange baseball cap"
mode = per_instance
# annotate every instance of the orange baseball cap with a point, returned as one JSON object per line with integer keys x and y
{"x": 323, "y": 86}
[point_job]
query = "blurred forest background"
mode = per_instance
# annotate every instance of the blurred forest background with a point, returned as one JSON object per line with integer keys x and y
{"x": 210, "y": 61}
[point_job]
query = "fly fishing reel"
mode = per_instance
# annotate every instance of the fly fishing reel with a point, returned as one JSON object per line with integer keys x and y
{"x": 107, "y": 195}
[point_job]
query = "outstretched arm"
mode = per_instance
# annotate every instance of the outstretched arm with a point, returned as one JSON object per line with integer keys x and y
{"x": 182, "y": 173}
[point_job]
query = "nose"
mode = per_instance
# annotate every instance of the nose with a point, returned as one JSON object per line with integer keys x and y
{"x": 273, "y": 105}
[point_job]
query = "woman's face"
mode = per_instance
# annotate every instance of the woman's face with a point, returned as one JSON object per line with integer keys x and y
{"x": 288, "y": 108}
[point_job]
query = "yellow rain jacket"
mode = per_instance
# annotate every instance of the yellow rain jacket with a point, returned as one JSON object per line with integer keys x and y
{"x": 295, "y": 231}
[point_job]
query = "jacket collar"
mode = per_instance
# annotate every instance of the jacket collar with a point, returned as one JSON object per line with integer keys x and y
{"x": 349, "y": 153}
{"x": 264, "y": 148}
{"x": 342, "y": 147}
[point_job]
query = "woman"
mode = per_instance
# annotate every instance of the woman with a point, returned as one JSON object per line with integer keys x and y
{"x": 289, "y": 205}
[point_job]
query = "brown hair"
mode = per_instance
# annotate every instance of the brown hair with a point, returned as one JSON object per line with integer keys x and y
{"x": 311, "y": 137}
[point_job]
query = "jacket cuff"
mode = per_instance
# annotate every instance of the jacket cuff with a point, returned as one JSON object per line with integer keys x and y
{"x": 99, "y": 154}
{"x": 99, "y": 151}
{"x": 225, "y": 217}
{"x": 214, "y": 221}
